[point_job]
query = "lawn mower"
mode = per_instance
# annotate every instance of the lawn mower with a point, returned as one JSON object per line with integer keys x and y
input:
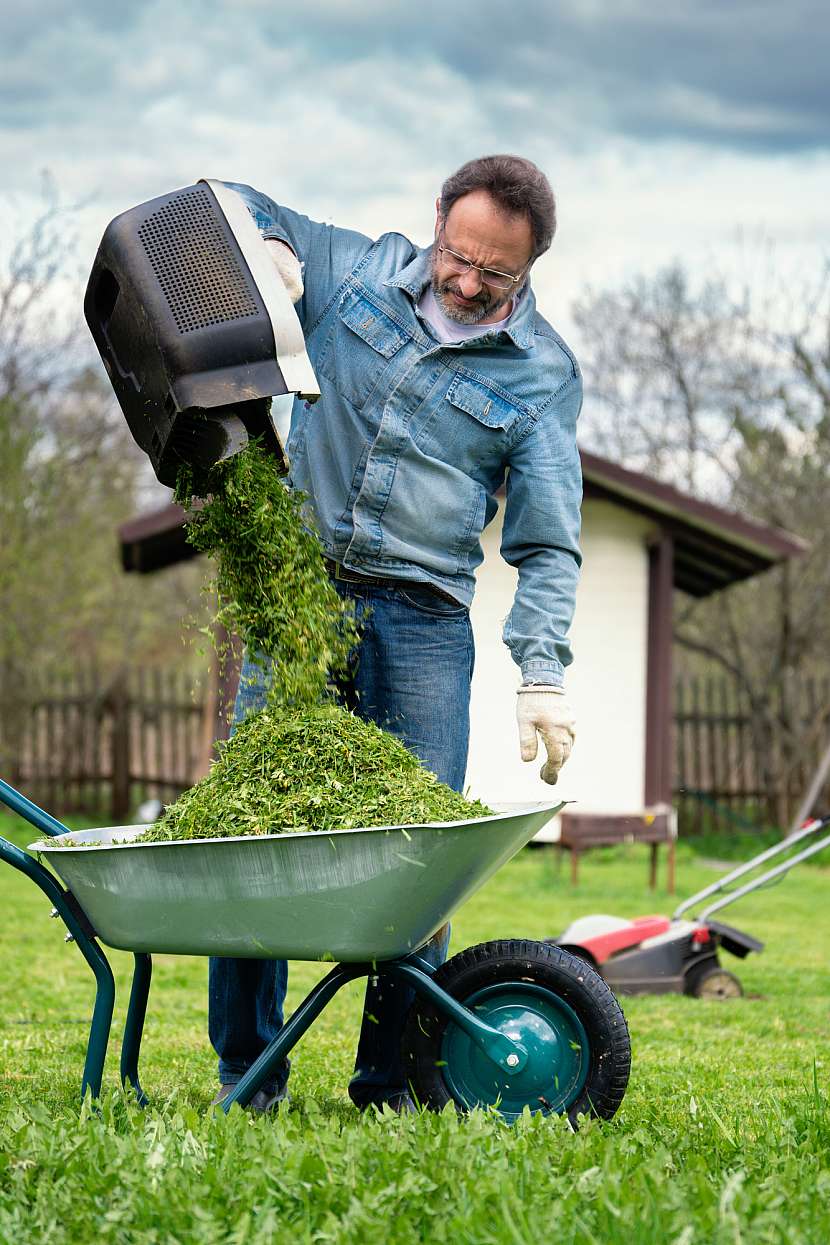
{"x": 680, "y": 954}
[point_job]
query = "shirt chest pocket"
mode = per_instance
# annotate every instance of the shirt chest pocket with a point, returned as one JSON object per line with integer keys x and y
{"x": 480, "y": 424}
{"x": 360, "y": 349}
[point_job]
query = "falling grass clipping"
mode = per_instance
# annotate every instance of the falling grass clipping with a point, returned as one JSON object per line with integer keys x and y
{"x": 304, "y": 762}
{"x": 271, "y": 583}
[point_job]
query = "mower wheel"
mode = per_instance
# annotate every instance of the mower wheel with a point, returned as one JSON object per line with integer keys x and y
{"x": 710, "y": 981}
{"x": 563, "y": 1013}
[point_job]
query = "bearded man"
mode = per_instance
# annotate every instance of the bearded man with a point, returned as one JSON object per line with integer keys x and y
{"x": 439, "y": 380}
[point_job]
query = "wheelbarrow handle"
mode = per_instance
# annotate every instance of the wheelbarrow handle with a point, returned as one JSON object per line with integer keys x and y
{"x": 65, "y": 904}
{"x": 30, "y": 812}
{"x": 24, "y": 863}
{"x": 75, "y": 921}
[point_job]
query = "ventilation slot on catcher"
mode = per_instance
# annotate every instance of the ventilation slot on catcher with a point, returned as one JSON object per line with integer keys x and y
{"x": 198, "y": 272}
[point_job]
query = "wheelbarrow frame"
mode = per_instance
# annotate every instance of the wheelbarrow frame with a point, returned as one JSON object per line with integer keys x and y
{"x": 508, "y": 1054}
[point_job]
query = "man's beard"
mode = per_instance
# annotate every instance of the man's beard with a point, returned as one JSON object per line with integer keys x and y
{"x": 485, "y": 301}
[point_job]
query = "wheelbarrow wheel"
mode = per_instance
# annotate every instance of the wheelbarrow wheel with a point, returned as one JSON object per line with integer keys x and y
{"x": 566, "y": 1017}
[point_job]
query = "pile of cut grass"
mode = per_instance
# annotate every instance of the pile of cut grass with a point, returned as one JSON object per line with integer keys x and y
{"x": 320, "y": 769}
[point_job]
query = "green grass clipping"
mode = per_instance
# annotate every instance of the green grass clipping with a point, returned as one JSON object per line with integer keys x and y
{"x": 303, "y": 763}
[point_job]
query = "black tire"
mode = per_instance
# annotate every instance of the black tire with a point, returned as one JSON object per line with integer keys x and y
{"x": 710, "y": 981}
{"x": 581, "y": 953}
{"x": 540, "y": 969}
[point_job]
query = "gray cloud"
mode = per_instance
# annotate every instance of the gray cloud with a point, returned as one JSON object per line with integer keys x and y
{"x": 743, "y": 75}
{"x": 661, "y": 131}
{"x": 749, "y": 73}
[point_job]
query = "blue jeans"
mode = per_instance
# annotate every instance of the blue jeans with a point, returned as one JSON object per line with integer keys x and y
{"x": 411, "y": 674}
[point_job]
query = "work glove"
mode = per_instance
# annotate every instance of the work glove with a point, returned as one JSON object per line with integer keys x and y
{"x": 288, "y": 266}
{"x": 544, "y": 709}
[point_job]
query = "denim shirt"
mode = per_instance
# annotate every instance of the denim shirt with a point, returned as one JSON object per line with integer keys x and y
{"x": 404, "y": 452}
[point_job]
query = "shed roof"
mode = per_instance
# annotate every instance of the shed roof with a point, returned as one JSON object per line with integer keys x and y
{"x": 154, "y": 540}
{"x": 713, "y": 547}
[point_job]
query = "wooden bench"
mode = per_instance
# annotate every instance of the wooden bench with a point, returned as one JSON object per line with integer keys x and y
{"x": 580, "y": 831}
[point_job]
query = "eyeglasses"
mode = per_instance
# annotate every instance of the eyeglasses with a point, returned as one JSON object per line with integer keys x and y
{"x": 489, "y": 276}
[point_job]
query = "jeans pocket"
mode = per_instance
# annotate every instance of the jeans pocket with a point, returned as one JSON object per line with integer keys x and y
{"x": 423, "y": 599}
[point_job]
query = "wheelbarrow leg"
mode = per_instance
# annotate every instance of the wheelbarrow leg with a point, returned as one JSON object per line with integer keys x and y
{"x": 134, "y": 1025}
{"x": 291, "y": 1032}
{"x": 99, "y": 1031}
{"x": 415, "y": 972}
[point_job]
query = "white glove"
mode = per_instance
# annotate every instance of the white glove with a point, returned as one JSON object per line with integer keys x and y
{"x": 288, "y": 266}
{"x": 545, "y": 709}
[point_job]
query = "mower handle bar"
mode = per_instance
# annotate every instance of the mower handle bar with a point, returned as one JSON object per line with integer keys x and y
{"x": 767, "y": 877}
{"x": 817, "y": 823}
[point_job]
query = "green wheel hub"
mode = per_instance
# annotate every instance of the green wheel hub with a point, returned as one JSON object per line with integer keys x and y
{"x": 551, "y": 1033}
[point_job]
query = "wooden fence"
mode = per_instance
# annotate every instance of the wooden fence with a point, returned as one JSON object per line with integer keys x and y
{"x": 82, "y": 742}
{"x": 738, "y": 768}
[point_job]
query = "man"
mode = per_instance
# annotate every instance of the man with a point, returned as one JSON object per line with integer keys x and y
{"x": 438, "y": 377}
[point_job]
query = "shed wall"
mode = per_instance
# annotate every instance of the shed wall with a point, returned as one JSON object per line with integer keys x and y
{"x": 606, "y": 683}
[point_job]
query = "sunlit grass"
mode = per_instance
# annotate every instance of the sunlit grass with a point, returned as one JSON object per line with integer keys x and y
{"x": 724, "y": 1135}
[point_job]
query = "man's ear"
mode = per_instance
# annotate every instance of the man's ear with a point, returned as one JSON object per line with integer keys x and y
{"x": 437, "y": 217}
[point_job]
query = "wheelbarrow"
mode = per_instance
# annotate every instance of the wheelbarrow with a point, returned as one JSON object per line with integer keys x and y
{"x": 512, "y": 1024}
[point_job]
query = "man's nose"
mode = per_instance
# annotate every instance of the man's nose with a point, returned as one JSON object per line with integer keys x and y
{"x": 470, "y": 283}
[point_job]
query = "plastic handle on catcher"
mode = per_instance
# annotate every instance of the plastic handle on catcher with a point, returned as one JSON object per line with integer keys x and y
{"x": 30, "y": 812}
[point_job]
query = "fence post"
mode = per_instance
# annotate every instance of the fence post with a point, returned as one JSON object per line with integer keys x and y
{"x": 120, "y": 708}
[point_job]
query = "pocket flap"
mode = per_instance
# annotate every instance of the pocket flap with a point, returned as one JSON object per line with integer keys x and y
{"x": 367, "y": 321}
{"x": 482, "y": 403}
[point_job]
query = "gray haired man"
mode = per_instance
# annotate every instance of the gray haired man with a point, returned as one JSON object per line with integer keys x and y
{"x": 440, "y": 382}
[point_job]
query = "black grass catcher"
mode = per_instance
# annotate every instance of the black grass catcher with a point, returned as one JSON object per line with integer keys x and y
{"x": 195, "y": 328}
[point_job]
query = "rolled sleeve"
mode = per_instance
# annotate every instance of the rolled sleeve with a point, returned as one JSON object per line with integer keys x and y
{"x": 328, "y": 254}
{"x": 541, "y": 539}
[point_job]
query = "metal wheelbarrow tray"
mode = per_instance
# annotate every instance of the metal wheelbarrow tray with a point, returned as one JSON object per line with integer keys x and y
{"x": 512, "y": 1024}
{"x": 344, "y": 895}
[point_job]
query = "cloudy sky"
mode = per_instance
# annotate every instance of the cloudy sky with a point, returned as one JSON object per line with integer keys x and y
{"x": 693, "y": 129}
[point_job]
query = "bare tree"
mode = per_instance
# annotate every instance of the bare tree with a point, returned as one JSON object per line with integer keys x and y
{"x": 705, "y": 393}
{"x": 664, "y": 363}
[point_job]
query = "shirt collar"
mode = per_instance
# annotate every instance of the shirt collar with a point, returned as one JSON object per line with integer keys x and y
{"x": 415, "y": 276}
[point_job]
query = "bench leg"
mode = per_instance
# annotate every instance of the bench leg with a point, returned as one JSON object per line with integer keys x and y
{"x": 670, "y": 867}
{"x": 652, "y": 873}
{"x": 574, "y": 867}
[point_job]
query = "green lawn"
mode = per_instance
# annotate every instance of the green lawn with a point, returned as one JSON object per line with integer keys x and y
{"x": 724, "y": 1135}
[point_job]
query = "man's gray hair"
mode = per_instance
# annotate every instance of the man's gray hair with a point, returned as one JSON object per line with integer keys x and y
{"x": 516, "y": 185}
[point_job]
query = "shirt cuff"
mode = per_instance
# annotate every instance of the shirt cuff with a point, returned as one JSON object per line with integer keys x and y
{"x": 544, "y": 672}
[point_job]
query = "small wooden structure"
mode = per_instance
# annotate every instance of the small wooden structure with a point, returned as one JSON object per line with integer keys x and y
{"x": 581, "y": 831}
